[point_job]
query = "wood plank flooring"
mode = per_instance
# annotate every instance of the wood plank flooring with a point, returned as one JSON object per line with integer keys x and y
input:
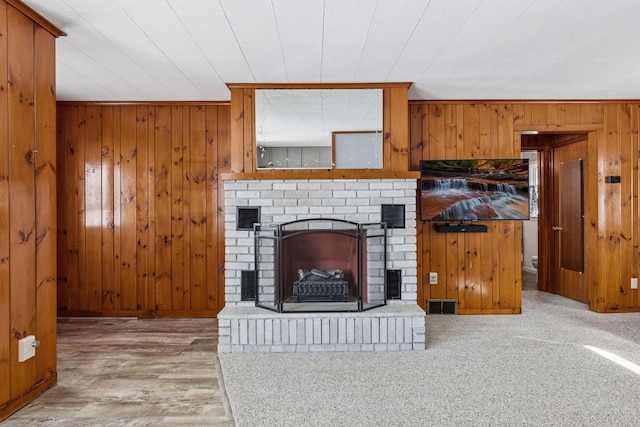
{"x": 132, "y": 372}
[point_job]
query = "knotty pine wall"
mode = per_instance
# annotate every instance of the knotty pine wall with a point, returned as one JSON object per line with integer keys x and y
{"x": 147, "y": 268}
{"x": 140, "y": 230}
{"x": 483, "y": 270}
{"x": 27, "y": 203}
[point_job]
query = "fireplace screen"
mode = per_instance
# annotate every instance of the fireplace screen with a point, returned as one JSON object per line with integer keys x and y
{"x": 316, "y": 265}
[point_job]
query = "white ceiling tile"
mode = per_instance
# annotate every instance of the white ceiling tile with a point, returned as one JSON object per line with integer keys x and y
{"x": 180, "y": 50}
{"x": 391, "y": 29}
{"x": 254, "y": 27}
{"x": 93, "y": 5}
{"x": 166, "y": 49}
{"x": 196, "y": 7}
{"x": 235, "y": 7}
{"x": 143, "y": 6}
{"x": 261, "y": 50}
{"x": 349, "y": 8}
{"x": 298, "y": 8}
{"x": 219, "y": 51}
{"x": 268, "y": 71}
{"x": 345, "y": 28}
{"x": 160, "y": 25}
{"x": 207, "y": 26}
{"x": 300, "y": 28}
{"x": 115, "y": 25}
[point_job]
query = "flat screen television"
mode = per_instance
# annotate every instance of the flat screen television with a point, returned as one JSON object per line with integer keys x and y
{"x": 474, "y": 190}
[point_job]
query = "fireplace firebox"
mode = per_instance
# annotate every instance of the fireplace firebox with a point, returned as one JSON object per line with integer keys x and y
{"x": 320, "y": 265}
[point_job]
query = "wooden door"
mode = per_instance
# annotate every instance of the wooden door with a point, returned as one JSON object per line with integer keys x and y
{"x": 567, "y": 255}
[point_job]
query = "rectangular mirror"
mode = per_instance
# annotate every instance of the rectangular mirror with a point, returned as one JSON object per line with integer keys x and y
{"x": 295, "y": 128}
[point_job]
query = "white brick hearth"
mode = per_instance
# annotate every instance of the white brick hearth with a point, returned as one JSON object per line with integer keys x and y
{"x": 397, "y": 326}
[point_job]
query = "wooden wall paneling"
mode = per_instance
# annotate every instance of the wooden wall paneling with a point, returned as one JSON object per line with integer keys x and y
{"x": 553, "y": 114}
{"x": 612, "y": 200}
{"x": 142, "y": 208}
{"x": 223, "y": 166}
{"x": 473, "y": 269}
{"x": 540, "y": 114}
{"x": 68, "y": 264}
{"x": 597, "y": 223}
{"x": 211, "y": 213}
{"x": 237, "y": 129}
{"x": 151, "y": 207}
{"x": 399, "y": 129}
{"x": 485, "y": 118}
{"x": 386, "y": 125}
{"x": 22, "y": 236}
{"x": 46, "y": 215}
{"x": 186, "y": 205}
{"x": 510, "y": 264}
{"x": 163, "y": 196}
{"x": 507, "y": 140}
{"x": 249, "y": 132}
{"x": 93, "y": 207}
{"x": 5, "y": 150}
{"x": 597, "y": 113}
{"x": 198, "y": 207}
{"x": 573, "y": 114}
{"x": 107, "y": 210}
{"x": 117, "y": 157}
{"x": 527, "y": 115}
{"x": 628, "y": 256}
{"x": 415, "y": 136}
{"x": 128, "y": 200}
{"x": 28, "y": 162}
{"x": 178, "y": 148}
{"x": 83, "y": 291}
{"x": 518, "y": 114}
{"x": 471, "y": 120}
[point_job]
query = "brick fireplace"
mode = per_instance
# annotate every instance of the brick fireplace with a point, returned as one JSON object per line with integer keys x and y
{"x": 398, "y": 325}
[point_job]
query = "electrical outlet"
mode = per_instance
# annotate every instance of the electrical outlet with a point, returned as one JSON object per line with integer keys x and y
{"x": 433, "y": 278}
{"x": 27, "y": 348}
{"x": 634, "y": 283}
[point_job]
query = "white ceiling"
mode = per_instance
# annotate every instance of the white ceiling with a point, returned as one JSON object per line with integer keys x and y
{"x": 137, "y": 50}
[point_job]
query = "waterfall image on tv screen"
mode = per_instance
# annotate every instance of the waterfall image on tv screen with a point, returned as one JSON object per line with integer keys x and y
{"x": 467, "y": 190}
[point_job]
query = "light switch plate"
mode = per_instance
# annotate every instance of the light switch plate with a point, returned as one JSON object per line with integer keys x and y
{"x": 26, "y": 348}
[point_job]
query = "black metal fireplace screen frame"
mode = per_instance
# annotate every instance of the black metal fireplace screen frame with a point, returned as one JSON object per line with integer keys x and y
{"x": 367, "y": 282}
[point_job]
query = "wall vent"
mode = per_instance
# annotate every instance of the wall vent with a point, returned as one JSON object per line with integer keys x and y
{"x": 442, "y": 306}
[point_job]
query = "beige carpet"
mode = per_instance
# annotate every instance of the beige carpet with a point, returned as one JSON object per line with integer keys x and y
{"x": 530, "y": 369}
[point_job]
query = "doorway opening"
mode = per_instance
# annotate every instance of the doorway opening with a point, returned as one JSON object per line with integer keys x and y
{"x": 562, "y": 162}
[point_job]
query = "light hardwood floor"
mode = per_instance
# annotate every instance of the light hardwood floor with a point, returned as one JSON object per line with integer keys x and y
{"x": 132, "y": 372}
